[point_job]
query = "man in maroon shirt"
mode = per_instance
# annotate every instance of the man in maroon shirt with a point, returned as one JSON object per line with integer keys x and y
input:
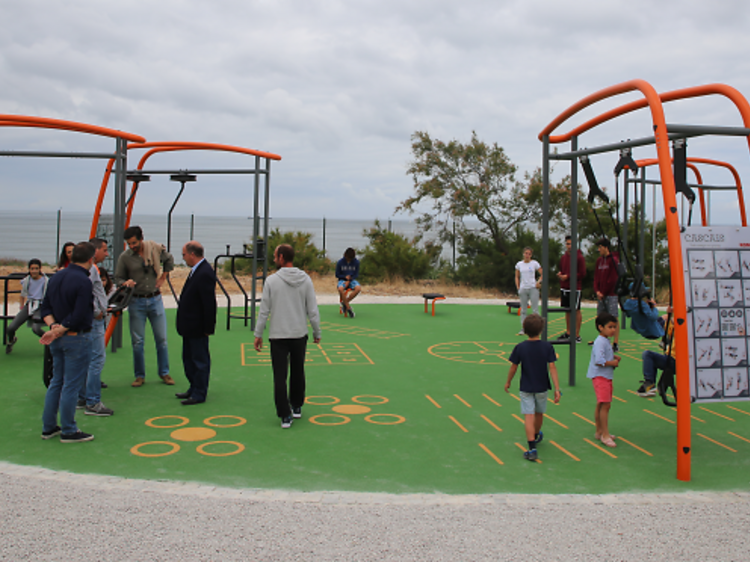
{"x": 605, "y": 281}
{"x": 564, "y": 276}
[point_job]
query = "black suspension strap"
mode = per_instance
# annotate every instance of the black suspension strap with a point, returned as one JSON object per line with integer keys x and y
{"x": 679, "y": 158}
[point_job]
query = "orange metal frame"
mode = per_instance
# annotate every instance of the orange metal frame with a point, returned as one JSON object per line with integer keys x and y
{"x": 654, "y": 101}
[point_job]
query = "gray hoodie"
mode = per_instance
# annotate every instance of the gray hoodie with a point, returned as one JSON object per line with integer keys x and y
{"x": 289, "y": 298}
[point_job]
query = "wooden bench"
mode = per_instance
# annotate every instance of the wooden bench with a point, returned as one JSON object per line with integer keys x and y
{"x": 432, "y": 297}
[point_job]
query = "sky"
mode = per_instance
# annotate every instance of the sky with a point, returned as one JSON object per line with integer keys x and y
{"x": 337, "y": 89}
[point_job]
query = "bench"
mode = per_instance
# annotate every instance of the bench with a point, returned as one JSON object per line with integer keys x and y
{"x": 432, "y": 297}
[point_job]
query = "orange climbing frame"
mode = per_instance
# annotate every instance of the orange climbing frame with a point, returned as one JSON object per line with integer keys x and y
{"x": 654, "y": 102}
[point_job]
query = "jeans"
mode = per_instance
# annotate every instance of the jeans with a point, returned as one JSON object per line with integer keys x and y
{"x": 153, "y": 309}
{"x": 528, "y": 295}
{"x": 653, "y": 361}
{"x": 91, "y": 387}
{"x": 288, "y": 353}
{"x": 71, "y": 356}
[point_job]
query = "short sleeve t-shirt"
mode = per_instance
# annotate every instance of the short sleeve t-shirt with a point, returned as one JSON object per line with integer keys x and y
{"x": 534, "y": 357}
{"x": 528, "y": 273}
{"x": 600, "y": 354}
{"x": 36, "y": 289}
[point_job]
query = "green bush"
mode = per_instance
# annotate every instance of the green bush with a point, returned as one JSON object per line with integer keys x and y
{"x": 389, "y": 255}
{"x": 306, "y": 255}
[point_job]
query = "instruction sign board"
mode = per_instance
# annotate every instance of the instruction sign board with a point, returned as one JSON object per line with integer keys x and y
{"x": 716, "y": 262}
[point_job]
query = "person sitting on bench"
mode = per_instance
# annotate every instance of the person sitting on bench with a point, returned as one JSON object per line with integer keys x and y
{"x": 347, "y": 271}
{"x": 33, "y": 289}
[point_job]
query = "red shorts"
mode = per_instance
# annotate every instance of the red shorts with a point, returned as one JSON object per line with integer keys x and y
{"x": 602, "y": 389}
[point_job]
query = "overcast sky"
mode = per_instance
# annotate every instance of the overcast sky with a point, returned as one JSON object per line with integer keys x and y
{"x": 337, "y": 88}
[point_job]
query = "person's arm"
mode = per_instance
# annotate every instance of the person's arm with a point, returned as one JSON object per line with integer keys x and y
{"x": 122, "y": 276}
{"x": 313, "y": 314}
{"x": 511, "y": 374}
{"x": 208, "y": 301}
{"x": 167, "y": 263}
{"x": 518, "y": 280}
{"x": 356, "y": 269}
{"x": 339, "y": 274}
{"x": 540, "y": 271}
{"x": 56, "y": 330}
{"x": 265, "y": 310}
{"x": 555, "y": 382}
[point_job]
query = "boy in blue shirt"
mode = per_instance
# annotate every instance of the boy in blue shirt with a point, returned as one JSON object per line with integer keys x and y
{"x": 601, "y": 370}
{"x": 347, "y": 271}
{"x": 537, "y": 359}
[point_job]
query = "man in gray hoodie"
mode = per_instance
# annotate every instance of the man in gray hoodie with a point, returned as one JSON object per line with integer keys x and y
{"x": 289, "y": 298}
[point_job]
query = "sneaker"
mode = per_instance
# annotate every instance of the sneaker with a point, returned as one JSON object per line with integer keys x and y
{"x": 81, "y": 404}
{"x": 98, "y": 409}
{"x": 530, "y": 455}
{"x": 647, "y": 389}
{"x": 139, "y": 381}
{"x": 297, "y": 413}
{"x": 579, "y": 340}
{"x": 565, "y": 336}
{"x": 9, "y": 347}
{"x": 50, "y": 434}
{"x": 615, "y": 347}
{"x": 591, "y": 342}
{"x": 104, "y": 384}
{"x": 343, "y": 308}
{"x": 77, "y": 437}
{"x": 286, "y": 422}
{"x": 539, "y": 438}
{"x": 351, "y": 312}
{"x": 521, "y": 333}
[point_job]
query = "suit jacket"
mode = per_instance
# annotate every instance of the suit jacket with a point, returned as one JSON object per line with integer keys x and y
{"x": 196, "y": 311}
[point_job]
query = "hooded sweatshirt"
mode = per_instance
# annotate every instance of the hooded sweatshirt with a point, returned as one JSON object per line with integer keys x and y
{"x": 289, "y": 298}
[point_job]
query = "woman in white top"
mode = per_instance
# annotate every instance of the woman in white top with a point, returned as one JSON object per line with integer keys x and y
{"x": 527, "y": 283}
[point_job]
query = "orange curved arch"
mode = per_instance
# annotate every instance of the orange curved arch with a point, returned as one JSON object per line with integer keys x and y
{"x": 49, "y": 123}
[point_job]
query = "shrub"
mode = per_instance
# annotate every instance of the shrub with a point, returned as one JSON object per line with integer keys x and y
{"x": 306, "y": 255}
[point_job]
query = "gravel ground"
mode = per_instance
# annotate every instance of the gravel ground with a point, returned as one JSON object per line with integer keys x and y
{"x": 49, "y": 515}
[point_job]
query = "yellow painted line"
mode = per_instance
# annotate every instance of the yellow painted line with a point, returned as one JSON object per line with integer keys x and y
{"x": 364, "y": 354}
{"x": 491, "y": 400}
{"x": 657, "y": 415}
{"x": 490, "y": 453}
{"x": 431, "y": 400}
{"x": 697, "y": 419}
{"x": 621, "y": 438}
{"x": 618, "y": 398}
{"x": 715, "y": 413}
{"x": 518, "y": 418}
{"x": 714, "y": 441}
{"x": 636, "y": 394}
{"x": 462, "y": 400}
{"x": 738, "y": 410}
{"x": 554, "y": 420}
{"x": 738, "y": 436}
{"x": 584, "y": 419}
{"x": 524, "y": 449}
{"x": 571, "y": 455}
{"x": 489, "y": 421}
{"x": 454, "y": 420}
{"x": 631, "y": 357}
{"x": 514, "y": 396}
{"x": 590, "y": 442}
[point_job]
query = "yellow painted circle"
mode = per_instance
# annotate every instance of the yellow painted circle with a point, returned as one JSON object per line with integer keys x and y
{"x": 399, "y": 419}
{"x": 309, "y": 400}
{"x": 481, "y": 352}
{"x": 193, "y": 434}
{"x": 151, "y": 423}
{"x": 201, "y": 449}
{"x": 315, "y": 419}
{"x": 208, "y": 421}
{"x": 136, "y": 450}
{"x": 356, "y": 399}
{"x": 351, "y": 409}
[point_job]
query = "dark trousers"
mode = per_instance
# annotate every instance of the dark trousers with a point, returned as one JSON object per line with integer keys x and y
{"x": 196, "y": 361}
{"x": 288, "y": 354}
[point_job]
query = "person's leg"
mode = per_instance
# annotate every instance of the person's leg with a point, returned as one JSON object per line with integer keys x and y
{"x": 604, "y": 420}
{"x": 530, "y": 425}
{"x": 158, "y": 318}
{"x": 523, "y": 296}
{"x": 52, "y": 398}
{"x": 200, "y": 360}
{"x": 534, "y": 296}
{"x": 297, "y": 353}
{"x": 77, "y": 352}
{"x": 137, "y": 316}
{"x": 649, "y": 365}
{"x": 18, "y": 321}
{"x": 96, "y": 365}
{"x": 188, "y": 364}
{"x": 579, "y": 316}
{"x": 280, "y": 364}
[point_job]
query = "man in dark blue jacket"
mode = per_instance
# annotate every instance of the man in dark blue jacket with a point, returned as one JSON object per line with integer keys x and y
{"x": 68, "y": 310}
{"x": 196, "y": 320}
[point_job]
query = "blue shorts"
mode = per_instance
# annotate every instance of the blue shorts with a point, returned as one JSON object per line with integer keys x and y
{"x": 353, "y": 284}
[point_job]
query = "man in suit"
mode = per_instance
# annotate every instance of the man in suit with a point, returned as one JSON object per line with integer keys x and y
{"x": 196, "y": 320}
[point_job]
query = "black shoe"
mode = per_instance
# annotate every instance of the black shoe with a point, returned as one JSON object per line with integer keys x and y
{"x": 182, "y": 395}
{"x": 9, "y": 347}
{"x": 539, "y": 437}
{"x": 77, "y": 437}
{"x": 579, "y": 340}
{"x": 565, "y": 336}
{"x": 191, "y": 401}
{"x": 615, "y": 347}
{"x": 286, "y": 422}
{"x": 351, "y": 312}
{"x": 81, "y": 405}
{"x": 104, "y": 385}
{"x": 591, "y": 342}
{"x": 297, "y": 413}
{"x": 50, "y": 434}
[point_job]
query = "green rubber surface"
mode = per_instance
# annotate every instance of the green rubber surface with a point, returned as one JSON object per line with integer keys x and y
{"x": 399, "y": 401}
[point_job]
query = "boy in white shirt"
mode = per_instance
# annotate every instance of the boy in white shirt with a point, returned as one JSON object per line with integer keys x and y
{"x": 33, "y": 288}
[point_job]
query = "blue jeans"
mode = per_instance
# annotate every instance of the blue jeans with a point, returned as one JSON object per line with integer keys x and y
{"x": 71, "y": 355}
{"x": 153, "y": 309}
{"x": 91, "y": 387}
{"x": 653, "y": 361}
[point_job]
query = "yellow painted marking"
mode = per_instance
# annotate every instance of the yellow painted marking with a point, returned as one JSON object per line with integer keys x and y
{"x": 351, "y": 409}
{"x": 657, "y": 415}
{"x": 356, "y": 399}
{"x": 618, "y": 398}
{"x": 309, "y": 400}
{"x": 364, "y": 354}
{"x": 716, "y": 413}
{"x": 209, "y": 421}
{"x": 136, "y": 450}
{"x": 399, "y": 419}
{"x": 193, "y": 434}
{"x": 514, "y": 396}
{"x": 489, "y": 421}
{"x": 584, "y": 418}
{"x": 603, "y": 450}
{"x": 621, "y": 438}
{"x": 716, "y": 442}
{"x": 738, "y": 410}
{"x": 360, "y": 331}
{"x": 491, "y": 400}
{"x": 183, "y": 421}
{"x": 738, "y": 436}
{"x": 557, "y": 422}
{"x": 697, "y": 419}
{"x": 630, "y": 357}
{"x": 462, "y": 400}
{"x": 202, "y": 448}
{"x": 454, "y": 420}
{"x": 315, "y": 419}
{"x": 571, "y": 455}
{"x": 316, "y": 355}
{"x": 431, "y": 400}
{"x": 518, "y": 418}
{"x": 524, "y": 449}
{"x": 490, "y": 453}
